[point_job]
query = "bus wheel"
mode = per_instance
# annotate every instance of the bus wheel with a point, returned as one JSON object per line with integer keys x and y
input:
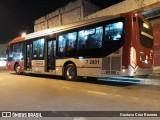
{"x": 70, "y": 72}
{"x": 17, "y": 69}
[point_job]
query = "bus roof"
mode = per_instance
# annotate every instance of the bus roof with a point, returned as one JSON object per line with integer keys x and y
{"x": 17, "y": 39}
{"x": 61, "y": 28}
{"x": 65, "y": 27}
{"x": 68, "y": 26}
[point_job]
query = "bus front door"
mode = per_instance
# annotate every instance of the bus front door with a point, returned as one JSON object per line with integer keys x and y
{"x": 29, "y": 57}
{"x": 51, "y": 55}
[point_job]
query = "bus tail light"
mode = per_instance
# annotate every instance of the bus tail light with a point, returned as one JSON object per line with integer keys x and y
{"x": 133, "y": 59}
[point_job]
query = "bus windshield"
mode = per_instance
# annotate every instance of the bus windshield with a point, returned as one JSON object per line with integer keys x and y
{"x": 15, "y": 52}
{"x": 146, "y": 35}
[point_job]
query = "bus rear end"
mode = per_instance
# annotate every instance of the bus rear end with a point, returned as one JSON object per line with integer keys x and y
{"x": 141, "y": 47}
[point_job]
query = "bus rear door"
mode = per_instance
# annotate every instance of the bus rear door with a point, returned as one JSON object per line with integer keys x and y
{"x": 28, "y": 56}
{"x": 51, "y": 55}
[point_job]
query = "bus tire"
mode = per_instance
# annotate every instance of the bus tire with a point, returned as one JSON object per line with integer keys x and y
{"x": 70, "y": 72}
{"x": 17, "y": 69}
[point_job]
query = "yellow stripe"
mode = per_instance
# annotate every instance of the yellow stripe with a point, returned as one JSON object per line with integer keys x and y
{"x": 100, "y": 93}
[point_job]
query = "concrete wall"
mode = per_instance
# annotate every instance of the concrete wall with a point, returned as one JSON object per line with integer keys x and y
{"x": 82, "y": 9}
{"x": 72, "y": 12}
{"x": 125, "y": 6}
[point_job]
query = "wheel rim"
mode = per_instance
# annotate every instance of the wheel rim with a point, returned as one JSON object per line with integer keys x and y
{"x": 70, "y": 72}
{"x": 18, "y": 69}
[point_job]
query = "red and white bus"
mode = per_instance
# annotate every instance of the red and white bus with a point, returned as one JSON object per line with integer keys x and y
{"x": 100, "y": 47}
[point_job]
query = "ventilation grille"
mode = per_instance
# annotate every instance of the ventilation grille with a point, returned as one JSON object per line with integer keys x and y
{"x": 112, "y": 65}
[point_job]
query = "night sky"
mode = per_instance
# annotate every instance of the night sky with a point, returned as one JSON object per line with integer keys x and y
{"x": 17, "y": 16}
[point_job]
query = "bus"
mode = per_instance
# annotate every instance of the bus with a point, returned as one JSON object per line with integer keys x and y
{"x": 120, "y": 45}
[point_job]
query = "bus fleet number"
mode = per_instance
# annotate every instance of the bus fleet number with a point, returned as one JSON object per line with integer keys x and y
{"x": 92, "y": 61}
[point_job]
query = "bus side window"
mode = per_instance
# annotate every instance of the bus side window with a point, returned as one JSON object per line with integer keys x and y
{"x": 97, "y": 38}
{"x": 71, "y": 41}
{"x": 113, "y": 31}
{"x": 66, "y": 43}
{"x": 61, "y": 45}
{"x": 81, "y": 40}
{"x": 38, "y": 48}
{"x": 90, "y": 39}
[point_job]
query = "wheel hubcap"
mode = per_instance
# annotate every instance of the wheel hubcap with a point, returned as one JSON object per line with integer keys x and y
{"x": 70, "y": 72}
{"x": 18, "y": 69}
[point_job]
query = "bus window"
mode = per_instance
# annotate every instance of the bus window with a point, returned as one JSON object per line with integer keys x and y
{"x": 38, "y": 48}
{"x": 17, "y": 48}
{"x": 71, "y": 41}
{"x": 17, "y": 51}
{"x": 113, "y": 31}
{"x": 146, "y": 35}
{"x": 61, "y": 44}
{"x": 10, "y": 56}
{"x": 90, "y": 39}
{"x": 66, "y": 43}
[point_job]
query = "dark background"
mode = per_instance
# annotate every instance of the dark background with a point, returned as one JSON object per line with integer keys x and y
{"x": 17, "y": 16}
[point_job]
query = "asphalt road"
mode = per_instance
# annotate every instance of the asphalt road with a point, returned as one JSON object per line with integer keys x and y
{"x": 49, "y": 93}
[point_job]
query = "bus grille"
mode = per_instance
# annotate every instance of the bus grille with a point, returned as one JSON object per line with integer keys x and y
{"x": 111, "y": 64}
